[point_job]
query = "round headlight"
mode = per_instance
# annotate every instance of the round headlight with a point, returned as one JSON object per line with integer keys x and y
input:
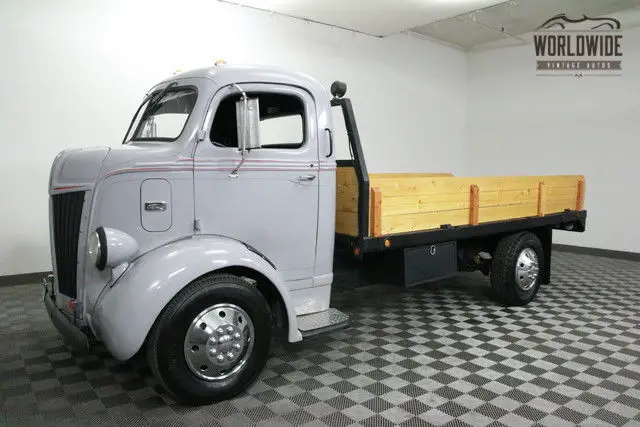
{"x": 97, "y": 248}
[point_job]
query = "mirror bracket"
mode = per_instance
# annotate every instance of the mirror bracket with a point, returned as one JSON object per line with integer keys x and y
{"x": 200, "y": 135}
{"x": 247, "y": 120}
{"x": 242, "y": 132}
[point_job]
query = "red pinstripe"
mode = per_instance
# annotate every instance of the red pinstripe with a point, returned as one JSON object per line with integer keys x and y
{"x": 213, "y": 169}
{"x": 68, "y": 187}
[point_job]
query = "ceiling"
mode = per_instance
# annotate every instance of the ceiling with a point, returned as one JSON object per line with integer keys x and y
{"x": 374, "y": 17}
{"x": 466, "y": 24}
{"x": 509, "y": 21}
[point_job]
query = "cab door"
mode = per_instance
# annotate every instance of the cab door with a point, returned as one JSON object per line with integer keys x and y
{"x": 269, "y": 200}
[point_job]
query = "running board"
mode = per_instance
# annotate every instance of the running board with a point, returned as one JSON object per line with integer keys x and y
{"x": 322, "y": 322}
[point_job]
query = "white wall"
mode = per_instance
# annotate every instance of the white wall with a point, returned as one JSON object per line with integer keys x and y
{"x": 73, "y": 72}
{"x": 519, "y": 123}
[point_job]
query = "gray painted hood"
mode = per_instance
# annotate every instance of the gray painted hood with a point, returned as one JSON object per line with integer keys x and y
{"x": 83, "y": 167}
{"x": 77, "y": 167}
{"x": 132, "y": 155}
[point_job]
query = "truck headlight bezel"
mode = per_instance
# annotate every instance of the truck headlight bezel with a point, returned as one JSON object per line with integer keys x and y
{"x": 97, "y": 248}
{"x": 108, "y": 247}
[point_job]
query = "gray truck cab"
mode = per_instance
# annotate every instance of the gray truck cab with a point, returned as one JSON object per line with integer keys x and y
{"x": 208, "y": 228}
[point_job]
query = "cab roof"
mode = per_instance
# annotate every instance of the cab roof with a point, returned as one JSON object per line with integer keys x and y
{"x": 225, "y": 74}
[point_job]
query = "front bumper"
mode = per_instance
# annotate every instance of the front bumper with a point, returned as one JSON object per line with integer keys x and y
{"x": 72, "y": 335}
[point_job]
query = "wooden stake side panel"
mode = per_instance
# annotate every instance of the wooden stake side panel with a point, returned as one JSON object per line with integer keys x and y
{"x": 414, "y": 202}
{"x": 581, "y": 193}
{"x": 346, "y": 201}
{"x": 542, "y": 199}
{"x": 474, "y": 205}
{"x": 375, "y": 212}
{"x": 423, "y": 203}
{"x": 347, "y": 198}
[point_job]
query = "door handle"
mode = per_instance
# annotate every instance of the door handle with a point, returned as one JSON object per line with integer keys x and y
{"x": 306, "y": 178}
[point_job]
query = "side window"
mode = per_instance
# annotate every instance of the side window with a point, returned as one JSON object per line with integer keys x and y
{"x": 282, "y": 121}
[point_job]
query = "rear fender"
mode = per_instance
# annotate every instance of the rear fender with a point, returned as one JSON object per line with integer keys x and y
{"x": 126, "y": 311}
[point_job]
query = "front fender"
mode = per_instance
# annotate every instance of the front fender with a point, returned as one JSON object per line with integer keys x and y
{"x": 126, "y": 311}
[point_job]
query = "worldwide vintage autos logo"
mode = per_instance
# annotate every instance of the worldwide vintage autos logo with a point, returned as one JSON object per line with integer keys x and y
{"x": 580, "y": 47}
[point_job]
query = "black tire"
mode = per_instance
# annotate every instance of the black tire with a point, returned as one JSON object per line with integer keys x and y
{"x": 503, "y": 268}
{"x": 165, "y": 346}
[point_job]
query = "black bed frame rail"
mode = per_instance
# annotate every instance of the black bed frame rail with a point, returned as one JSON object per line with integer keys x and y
{"x": 569, "y": 221}
{"x": 358, "y": 164}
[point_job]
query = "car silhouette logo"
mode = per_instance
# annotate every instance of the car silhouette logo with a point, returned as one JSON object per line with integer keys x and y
{"x": 563, "y": 22}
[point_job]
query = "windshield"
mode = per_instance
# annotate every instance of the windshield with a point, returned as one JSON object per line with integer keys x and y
{"x": 163, "y": 118}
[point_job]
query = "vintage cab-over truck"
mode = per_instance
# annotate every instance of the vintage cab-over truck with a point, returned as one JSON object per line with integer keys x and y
{"x": 216, "y": 224}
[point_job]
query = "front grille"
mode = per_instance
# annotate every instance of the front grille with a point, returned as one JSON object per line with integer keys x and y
{"x": 67, "y": 213}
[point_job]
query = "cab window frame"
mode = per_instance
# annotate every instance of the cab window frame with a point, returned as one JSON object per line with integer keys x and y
{"x": 231, "y": 118}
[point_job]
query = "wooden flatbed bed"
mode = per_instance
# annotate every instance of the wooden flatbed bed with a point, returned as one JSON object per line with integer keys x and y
{"x": 401, "y": 203}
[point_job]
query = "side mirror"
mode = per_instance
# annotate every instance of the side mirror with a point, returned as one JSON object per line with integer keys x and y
{"x": 248, "y": 118}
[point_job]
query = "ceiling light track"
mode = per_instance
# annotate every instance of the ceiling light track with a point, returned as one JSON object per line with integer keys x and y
{"x": 482, "y": 9}
{"x": 488, "y": 27}
{"x": 301, "y": 19}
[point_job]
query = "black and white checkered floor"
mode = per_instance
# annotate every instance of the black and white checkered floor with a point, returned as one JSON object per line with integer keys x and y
{"x": 441, "y": 354}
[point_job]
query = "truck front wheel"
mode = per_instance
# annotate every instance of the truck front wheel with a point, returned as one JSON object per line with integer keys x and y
{"x": 515, "y": 268}
{"x": 212, "y": 340}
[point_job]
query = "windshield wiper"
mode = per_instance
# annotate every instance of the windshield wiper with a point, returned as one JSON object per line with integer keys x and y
{"x": 160, "y": 95}
{"x": 151, "y": 105}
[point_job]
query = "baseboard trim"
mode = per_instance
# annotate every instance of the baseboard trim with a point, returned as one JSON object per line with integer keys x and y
{"x": 606, "y": 253}
{"x": 23, "y": 279}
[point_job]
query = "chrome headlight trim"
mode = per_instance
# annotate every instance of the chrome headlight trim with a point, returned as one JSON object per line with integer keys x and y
{"x": 101, "y": 262}
{"x": 97, "y": 248}
{"x": 109, "y": 247}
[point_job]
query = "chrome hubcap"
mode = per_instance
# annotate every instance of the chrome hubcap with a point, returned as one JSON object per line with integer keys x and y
{"x": 219, "y": 342}
{"x": 527, "y": 269}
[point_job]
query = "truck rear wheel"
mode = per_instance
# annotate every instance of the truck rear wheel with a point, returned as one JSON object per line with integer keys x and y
{"x": 515, "y": 268}
{"x": 212, "y": 340}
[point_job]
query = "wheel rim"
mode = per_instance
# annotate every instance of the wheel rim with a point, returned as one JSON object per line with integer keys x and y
{"x": 527, "y": 268}
{"x": 218, "y": 342}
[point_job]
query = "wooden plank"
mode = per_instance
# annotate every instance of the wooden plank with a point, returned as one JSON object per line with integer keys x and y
{"x": 559, "y": 199}
{"x": 375, "y": 212}
{"x": 347, "y": 198}
{"x": 560, "y": 205}
{"x": 474, "y": 202}
{"x": 440, "y": 185}
{"x": 346, "y": 201}
{"x": 436, "y": 202}
{"x": 433, "y": 220}
{"x": 347, "y": 223}
{"x": 580, "y": 196}
{"x": 561, "y": 180}
{"x": 423, "y": 221}
{"x": 450, "y": 185}
{"x": 346, "y": 175}
{"x": 500, "y": 213}
{"x": 508, "y": 197}
{"x": 561, "y": 192}
{"x": 442, "y": 202}
{"x": 541, "y": 198}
